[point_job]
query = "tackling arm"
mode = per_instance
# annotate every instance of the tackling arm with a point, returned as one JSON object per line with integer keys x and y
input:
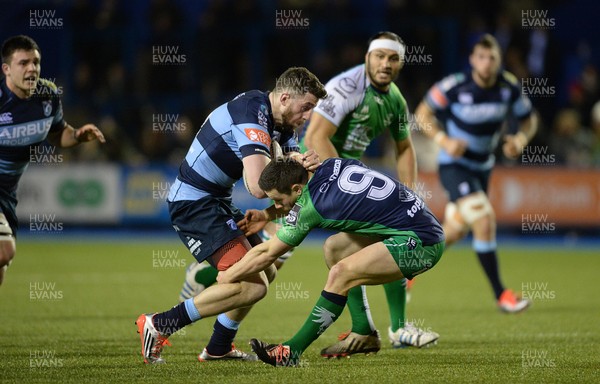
{"x": 257, "y": 259}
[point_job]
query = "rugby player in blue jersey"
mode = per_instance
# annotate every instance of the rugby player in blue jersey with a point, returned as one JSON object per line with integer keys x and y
{"x": 30, "y": 112}
{"x": 464, "y": 114}
{"x": 389, "y": 232}
{"x": 234, "y": 142}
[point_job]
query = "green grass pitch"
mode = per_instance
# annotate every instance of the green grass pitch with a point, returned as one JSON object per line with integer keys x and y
{"x": 67, "y": 312}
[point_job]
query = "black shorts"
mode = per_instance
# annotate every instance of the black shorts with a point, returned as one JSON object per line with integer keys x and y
{"x": 8, "y": 206}
{"x": 207, "y": 224}
{"x": 460, "y": 181}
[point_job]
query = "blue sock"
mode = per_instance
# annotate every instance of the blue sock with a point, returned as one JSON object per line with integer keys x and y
{"x": 191, "y": 309}
{"x": 224, "y": 332}
{"x": 171, "y": 321}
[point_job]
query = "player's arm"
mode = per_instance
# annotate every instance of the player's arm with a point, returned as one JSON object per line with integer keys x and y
{"x": 318, "y": 136}
{"x": 257, "y": 259}
{"x": 253, "y": 167}
{"x": 514, "y": 144}
{"x": 69, "y": 136}
{"x": 428, "y": 124}
{"x": 406, "y": 161}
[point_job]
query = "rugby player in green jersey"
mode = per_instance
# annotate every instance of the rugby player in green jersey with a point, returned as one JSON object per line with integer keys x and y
{"x": 389, "y": 231}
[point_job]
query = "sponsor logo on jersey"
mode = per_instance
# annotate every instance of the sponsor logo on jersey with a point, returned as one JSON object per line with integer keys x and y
{"x": 258, "y": 136}
{"x": 292, "y": 217}
{"x": 24, "y": 134}
{"x": 347, "y": 84}
{"x": 6, "y": 118}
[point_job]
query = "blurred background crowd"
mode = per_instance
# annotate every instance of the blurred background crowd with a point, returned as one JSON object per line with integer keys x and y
{"x": 103, "y": 58}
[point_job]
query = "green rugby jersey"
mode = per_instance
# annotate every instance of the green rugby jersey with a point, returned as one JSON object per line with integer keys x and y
{"x": 346, "y": 196}
{"x": 360, "y": 112}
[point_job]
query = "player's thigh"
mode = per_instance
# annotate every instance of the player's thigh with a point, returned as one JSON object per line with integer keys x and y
{"x": 410, "y": 254}
{"x": 342, "y": 245}
{"x": 371, "y": 265}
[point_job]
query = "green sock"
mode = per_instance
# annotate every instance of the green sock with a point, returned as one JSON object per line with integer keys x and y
{"x": 327, "y": 309}
{"x": 362, "y": 322}
{"x": 207, "y": 276}
{"x": 395, "y": 292}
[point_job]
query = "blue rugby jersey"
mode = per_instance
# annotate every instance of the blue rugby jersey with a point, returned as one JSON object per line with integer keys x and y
{"x": 241, "y": 127}
{"x": 23, "y": 123}
{"x": 476, "y": 114}
{"x": 346, "y": 196}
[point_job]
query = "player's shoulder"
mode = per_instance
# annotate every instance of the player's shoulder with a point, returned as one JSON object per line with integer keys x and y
{"x": 349, "y": 82}
{"x": 396, "y": 94}
{"x": 452, "y": 81}
{"x": 509, "y": 78}
{"x": 248, "y": 106}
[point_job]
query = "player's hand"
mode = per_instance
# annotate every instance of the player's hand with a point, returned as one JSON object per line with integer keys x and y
{"x": 454, "y": 147}
{"x": 513, "y": 145}
{"x": 254, "y": 220}
{"x": 89, "y": 132}
{"x": 310, "y": 160}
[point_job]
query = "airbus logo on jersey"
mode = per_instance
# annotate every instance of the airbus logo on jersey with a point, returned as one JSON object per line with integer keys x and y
{"x": 6, "y": 118}
{"x": 465, "y": 98}
{"x": 26, "y": 133}
{"x": 477, "y": 113}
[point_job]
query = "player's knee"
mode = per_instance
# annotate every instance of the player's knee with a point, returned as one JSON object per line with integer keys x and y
{"x": 476, "y": 208}
{"x": 340, "y": 275}
{"x": 255, "y": 292}
{"x": 332, "y": 251}
{"x": 271, "y": 273}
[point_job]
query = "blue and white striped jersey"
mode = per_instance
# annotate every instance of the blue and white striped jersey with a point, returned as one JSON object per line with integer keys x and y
{"x": 24, "y": 123}
{"x": 241, "y": 127}
{"x": 476, "y": 114}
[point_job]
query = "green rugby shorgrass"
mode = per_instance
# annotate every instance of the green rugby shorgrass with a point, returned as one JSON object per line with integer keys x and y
{"x": 67, "y": 312}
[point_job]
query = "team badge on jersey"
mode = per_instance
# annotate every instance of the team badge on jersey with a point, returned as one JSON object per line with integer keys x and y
{"x": 292, "y": 217}
{"x": 47, "y": 105}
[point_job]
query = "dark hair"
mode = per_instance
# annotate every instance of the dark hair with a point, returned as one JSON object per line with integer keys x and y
{"x": 299, "y": 81}
{"x": 281, "y": 175}
{"x": 487, "y": 41}
{"x": 388, "y": 35}
{"x": 15, "y": 43}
